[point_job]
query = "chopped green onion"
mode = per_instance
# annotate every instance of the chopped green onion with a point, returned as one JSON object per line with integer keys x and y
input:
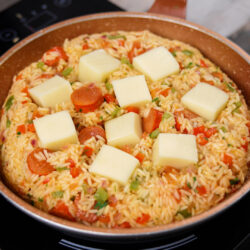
{"x": 234, "y": 181}
{"x": 71, "y": 83}
{"x": 100, "y": 205}
{"x": 224, "y": 130}
{"x": 18, "y": 133}
{"x": 154, "y": 134}
{"x": 8, "y": 122}
{"x": 134, "y": 185}
{"x": 101, "y": 195}
{"x": 112, "y": 37}
{"x": 40, "y": 199}
{"x": 9, "y": 103}
{"x": 189, "y": 65}
{"x": 57, "y": 194}
{"x": 194, "y": 178}
{"x": 166, "y": 115}
{"x": 237, "y": 106}
{"x": 125, "y": 60}
{"x": 67, "y": 71}
{"x": 185, "y": 213}
{"x": 108, "y": 86}
{"x": 115, "y": 112}
{"x": 60, "y": 169}
{"x": 156, "y": 100}
{"x": 173, "y": 53}
{"x": 187, "y": 52}
{"x": 173, "y": 90}
{"x": 189, "y": 185}
{"x": 229, "y": 86}
{"x": 40, "y": 65}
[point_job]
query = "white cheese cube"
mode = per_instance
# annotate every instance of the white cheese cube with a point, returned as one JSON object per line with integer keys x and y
{"x": 56, "y": 130}
{"x": 205, "y": 100}
{"x": 132, "y": 91}
{"x": 114, "y": 164}
{"x": 156, "y": 63}
{"x": 124, "y": 130}
{"x": 53, "y": 91}
{"x": 96, "y": 66}
{"x": 176, "y": 150}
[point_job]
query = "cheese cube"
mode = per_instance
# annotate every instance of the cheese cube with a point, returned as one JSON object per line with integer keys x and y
{"x": 96, "y": 66}
{"x": 132, "y": 91}
{"x": 176, "y": 150}
{"x": 56, "y": 130}
{"x": 124, "y": 130}
{"x": 53, "y": 91}
{"x": 114, "y": 164}
{"x": 156, "y": 63}
{"x": 205, "y": 100}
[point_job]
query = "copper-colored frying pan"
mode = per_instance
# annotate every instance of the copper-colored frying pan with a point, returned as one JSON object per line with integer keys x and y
{"x": 232, "y": 60}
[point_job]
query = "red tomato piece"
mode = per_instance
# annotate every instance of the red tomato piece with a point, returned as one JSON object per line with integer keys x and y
{"x": 143, "y": 219}
{"x": 218, "y": 75}
{"x": 140, "y": 157}
{"x": 227, "y": 159}
{"x": 165, "y": 92}
{"x": 59, "y": 54}
{"x": 112, "y": 200}
{"x": 202, "y": 139}
{"x": 109, "y": 98}
{"x": 31, "y": 128}
{"x": 203, "y": 64}
{"x": 133, "y": 109}
{"x": 21, "y": 129}
{"x": 201, "y": 190}
{"x": 104, "y": 218}
{"x": 152, "y": 121}
{"x": 209, "y": 132}
{"x": 199, "y": 130}
{"x": 85, "y": 46}
{"x": 62, "y": 210}
{"x": 88, "y": 151}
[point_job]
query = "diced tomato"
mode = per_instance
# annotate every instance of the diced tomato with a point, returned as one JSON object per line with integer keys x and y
{"x": 123, "y": 225}
{"x": 62, "y": 210}
{"x": 227, "y": 159}
{"x": 112, "y": 200}
{"x": 201, "y": 190}
{"x": 143, "y": 219}
{"x": 248, "y": 125}
{"x": 104, "y": 218}
{"x": 37, "y": 166}
{"x": 140, "y": 157}
{"x": 31, "y": 128}
{"x": 109, "y": 98}
{"x": 85, "y": 46}
{"x": 121, "y": 42}
{"x": 126, "y": 148}
{"x": 36, "y": 114}
{"x": 75, "y": 171}
{"x": 152, "y": 121}
{"x": 23, "y": 102}
{"x": 209, "y": 132}
{"x": 19, "y": 77}
{"x": 21, "y": 129}
{"x": 165, "y": 92}
{"x": 71, "y": 162}
{"x": 177, "y": 124}
{"x": 46, "y": 180}
{"x": 245, "y": 145}
{"x": 88, "y": 132}
{"x": 25, "y": 90}
{"x": 203, "y": 64}
{"x": 199, "y": 130}
{"x": 59, "y": 54}
{"x": 133, "y": 109}
{"x": 202, "y": 139}
{"x": 218, "y": 75}
{"x": 207, "y": 81}
{"x": 87, "y": 98}
{"x": 88, "y": 151}
{"x": 131, "y": 53}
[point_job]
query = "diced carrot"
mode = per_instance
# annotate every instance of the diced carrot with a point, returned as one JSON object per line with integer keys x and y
{"x": 140, "y": 156}
{"x": 165, "y": 92}
{"x": 46, "y": 180}
{"x": 143, "y": 219}
{"x": 209, "y": 132}
{"x": 36, "y": 114}
{"x": 39, "y": 166}
{"x": 177, "y": 124}
{"x": 21, "y": 129}
{"x": 109, "y": 98}
{"x": 75, "y": 171}
{"x": 31, "y": 128}
{"x": 59, "y": 54}
{"x": 133, "y": 109}
{"x": 25, "y": 90}
{"x": 87, "y": 98}
{"x": 85, "y": 46}
{"x": 131, "y": 53}
{"x": 71, "y": 162}
{"x": 112, "y": 201}
{"x": 126, "y": 148}
{"x": 45, "y": 76}
{"x": 121, "y": 42}
{"x": 201, "y": 190}
{"x": 152, "y": 121}
{"x": 227, "y": 159}
{"x": 104, "y": 218}
{"x": 123, "y": 225}
{"x": 202, "y": 139}
{"x": 199, "y": 130}
{"x": 218, "y": 75}
{"x": 19, "y": 77}
{"x": 154, "y": 92}
{"x": 88, "y": 151}
{"x": 203, "y": 64}
{"x": 88, "y": 132}
{"x": 62, "y": 210}
{"x": 207, "y": 81}
{"x": 181, "y": 66}
{"x": 245, "y": 145}
{"x": 24, "y": 102}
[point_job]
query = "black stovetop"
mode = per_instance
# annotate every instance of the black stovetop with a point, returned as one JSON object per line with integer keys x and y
{"x": 229, "y": 230}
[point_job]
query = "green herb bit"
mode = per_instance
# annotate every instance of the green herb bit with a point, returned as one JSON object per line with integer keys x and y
{"x": 101, "y": 195}
{"x": 185, "y": 213}
{"x": 40, "y": 199}
{"x": 194, "y": 178}
{"x": 189, "y": 185}
{"x": 125, "y": 60}
{"x": 40, "y": 65}
{"x": 174, "y": 53}
{"x": 154, "y": 134}
{"x": 237, "y": 107}
{"x": 166, "y": 115}
{"x": 57, "y": 194}
{"x": 223, "y": 129}
{"x": 187, "y": 52}
{"x": 134, "y": 185}
{"x": 108, "y": 86}
{"x": 190, "y": 65}
{"x": 229, "y": 86}
{"x": 8, "y": 122}
{"x": 71, "y": 83}
{"x": 156, "y": 100}
{"x": 100, "y": 205}
{"x": 234, "y": 181}
{"x": 9, "y": 103}
{"x": 67, "y": 71}
{"x": 173, "y": 90}
{"x": 60, "y": 169}
{"x": 101, "y": 118}
{"x": 115, "y": 112}
{"x": 112, "y": 37}
{"x": 18, "y": 133}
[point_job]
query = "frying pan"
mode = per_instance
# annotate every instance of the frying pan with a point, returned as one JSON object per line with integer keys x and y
{"x": 232, "y": 60}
